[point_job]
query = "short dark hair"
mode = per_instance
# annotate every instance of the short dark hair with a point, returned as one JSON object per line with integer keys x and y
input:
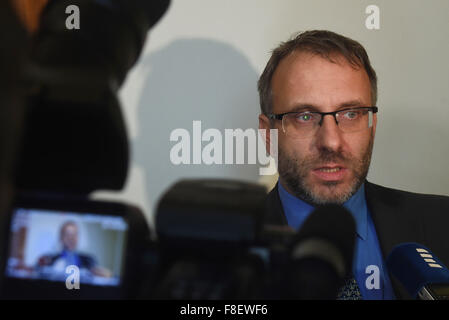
{"x": 326, "y": 44}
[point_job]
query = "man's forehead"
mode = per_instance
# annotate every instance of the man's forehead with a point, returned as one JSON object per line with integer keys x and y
{"x": 306, "y": 64}
{"x": 308, "y": 57}
{"x": 303, "y": 77}
{"x": 71, "y": 227}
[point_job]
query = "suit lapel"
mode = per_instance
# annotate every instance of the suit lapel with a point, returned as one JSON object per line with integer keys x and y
{"x": 393, "y": 225}
{"x": 274, "y": 209}
{"x": 386, "y": 219}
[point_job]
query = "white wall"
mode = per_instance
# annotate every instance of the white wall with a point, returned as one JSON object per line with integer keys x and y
{"x": 203, "y": 59}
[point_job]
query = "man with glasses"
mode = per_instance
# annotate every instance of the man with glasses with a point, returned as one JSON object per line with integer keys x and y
{"x": 319, "y": 91}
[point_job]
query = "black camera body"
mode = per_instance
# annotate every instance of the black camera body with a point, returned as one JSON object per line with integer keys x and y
{"x": 74, "y": 135}
{"x": 213, "y": 243}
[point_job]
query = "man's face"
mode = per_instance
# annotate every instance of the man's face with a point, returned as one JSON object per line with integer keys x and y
{"x": 69, "y": 237}
{"x": 305, "y": 163}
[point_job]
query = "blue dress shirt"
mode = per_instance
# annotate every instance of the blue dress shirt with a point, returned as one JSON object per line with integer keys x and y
{"x": 368, "y": 266}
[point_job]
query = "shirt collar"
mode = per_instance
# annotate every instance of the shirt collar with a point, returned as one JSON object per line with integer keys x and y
{"x": 294, "y": 206}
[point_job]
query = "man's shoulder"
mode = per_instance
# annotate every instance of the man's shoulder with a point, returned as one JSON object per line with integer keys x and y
{"x": 406, "y": 205}
{"x": 48, "y": 258}
{"x": 397, "y": 197}
{"x": 378, "y": 192}
{"x": 421, "y": 209}
{"x": 382, "y": 199}
{"x": 404, "y": 216}
{"x": 86, "y": 260}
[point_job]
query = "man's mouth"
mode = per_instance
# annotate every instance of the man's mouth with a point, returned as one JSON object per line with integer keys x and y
{"x": 330, "y": 169}
{"x": 330, "y": 172}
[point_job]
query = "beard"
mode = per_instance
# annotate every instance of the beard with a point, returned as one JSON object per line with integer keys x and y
{"x": 293, "y": 173}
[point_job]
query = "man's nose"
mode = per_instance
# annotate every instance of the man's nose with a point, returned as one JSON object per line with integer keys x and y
{"x": 329, "y": 134}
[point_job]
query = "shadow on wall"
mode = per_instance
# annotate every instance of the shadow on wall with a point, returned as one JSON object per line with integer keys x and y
{"x": 189, "y": 80}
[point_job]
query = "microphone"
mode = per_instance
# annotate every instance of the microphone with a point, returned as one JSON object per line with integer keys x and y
{"x": 321, "y": 254}
{"x": 422, "y": 274}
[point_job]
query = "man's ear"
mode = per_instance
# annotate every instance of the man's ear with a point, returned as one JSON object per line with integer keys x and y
{"x": 264, "y": 124}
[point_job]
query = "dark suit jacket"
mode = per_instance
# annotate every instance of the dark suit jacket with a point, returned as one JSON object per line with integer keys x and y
{"x": 85, "y": 261}
{"x": 398, "y": 216}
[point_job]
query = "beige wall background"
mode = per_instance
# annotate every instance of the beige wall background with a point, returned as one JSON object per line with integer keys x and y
{"x": 204, "y": 57}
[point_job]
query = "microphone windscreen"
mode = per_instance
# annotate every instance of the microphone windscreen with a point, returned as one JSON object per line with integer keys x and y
{"x": 321, "y": 254}
{"x": 334, "y": 224}
{"x": 415, "y": 266}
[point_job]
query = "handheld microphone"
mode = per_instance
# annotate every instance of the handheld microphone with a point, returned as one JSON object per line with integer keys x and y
{"x": 422, "y": 274}
{"x": 321, "y": 255}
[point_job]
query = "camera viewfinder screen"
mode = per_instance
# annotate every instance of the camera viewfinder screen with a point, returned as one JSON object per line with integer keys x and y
{"x": 46, "y": 244}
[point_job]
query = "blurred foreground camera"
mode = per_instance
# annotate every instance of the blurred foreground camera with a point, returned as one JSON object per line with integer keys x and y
{"x": 205, "y": 229}
{"x": 72, "y": 142}
{"x": 75, "y": 139}
{"x": 213, "y": 243}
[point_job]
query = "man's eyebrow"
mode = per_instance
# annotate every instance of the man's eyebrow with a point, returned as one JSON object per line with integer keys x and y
{"x": 311, "y": 107}
{"x": 352, "y": 103}
{"x": 304, "y": 107}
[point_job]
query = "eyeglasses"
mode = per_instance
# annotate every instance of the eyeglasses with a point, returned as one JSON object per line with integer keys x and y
{"x": 306, "y": 124}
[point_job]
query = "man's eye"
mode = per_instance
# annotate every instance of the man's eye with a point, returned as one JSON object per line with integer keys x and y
{"x": 351, "y": 114}
{"x": 304, "y": 117}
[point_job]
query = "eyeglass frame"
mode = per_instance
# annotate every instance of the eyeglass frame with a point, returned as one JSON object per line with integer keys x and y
{"x": 272, "y": 116}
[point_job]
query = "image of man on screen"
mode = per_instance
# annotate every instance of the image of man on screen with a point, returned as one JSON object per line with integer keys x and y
{"x": 57, "y": 263}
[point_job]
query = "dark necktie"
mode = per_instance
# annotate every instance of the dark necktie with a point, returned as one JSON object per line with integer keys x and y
{"x": 349, "y": 290}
